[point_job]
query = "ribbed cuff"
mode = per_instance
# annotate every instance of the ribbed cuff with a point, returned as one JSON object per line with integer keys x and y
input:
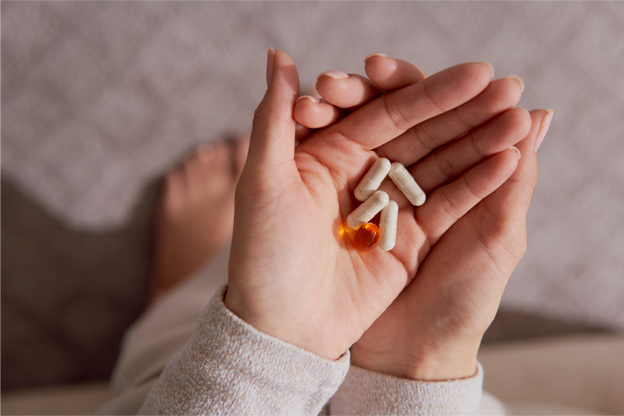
{"x": 365, "y": 392}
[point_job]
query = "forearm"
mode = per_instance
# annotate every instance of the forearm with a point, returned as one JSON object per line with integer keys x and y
{"x": 230, "y": 367}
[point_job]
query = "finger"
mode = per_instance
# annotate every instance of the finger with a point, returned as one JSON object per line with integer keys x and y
{"x": 503, "y": 230}
{"x": 541, "y": 120}
{"x": 302, "y": 132}
{"x": 450, "y": 202}
{"x": 346, "y": 90}
{"x": 511, "y": 202}
{"x": 449, "y": 162}
{"x": 392, "y": 114}
{"x": 241, "y": 149}
{"x": 315, "y": 114}
{"x": 499, "y": 96}
{"x": 273, "y": 132}
{"x": 390, "y": 74}
{"x": 543, "y": 130}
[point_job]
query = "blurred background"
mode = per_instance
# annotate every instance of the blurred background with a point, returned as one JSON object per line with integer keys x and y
{"x": 100, "y": 99}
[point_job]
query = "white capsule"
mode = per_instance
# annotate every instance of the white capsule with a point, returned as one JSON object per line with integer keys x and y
{"x": 406, "y": 183}
{"x": 367, "y": 210}
{"x": 388, "y": 226}
{"x": 373, "y": 178}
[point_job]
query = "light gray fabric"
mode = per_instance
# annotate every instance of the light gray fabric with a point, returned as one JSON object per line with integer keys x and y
{"x": 367, "y": 393}
{"x": 231, "y": 368}
{"x": 170, "y": 323}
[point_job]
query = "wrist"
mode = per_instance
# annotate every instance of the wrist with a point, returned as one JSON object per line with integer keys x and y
{"x": 289, "y": 330}
{"x": 425, "y": 365}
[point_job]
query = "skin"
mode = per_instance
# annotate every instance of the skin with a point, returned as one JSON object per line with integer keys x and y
{"x": 293, "y": 271}
{"x": 186, "y": 237}
{"x": 433, "y": 330}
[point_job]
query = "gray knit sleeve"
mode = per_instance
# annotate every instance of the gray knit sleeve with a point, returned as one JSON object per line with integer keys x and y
{"x": 368, "y": 393}
{"x": 232, "y": 368}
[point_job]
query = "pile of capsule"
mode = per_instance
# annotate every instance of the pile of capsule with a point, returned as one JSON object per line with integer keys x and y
{"x": 373, "y": 201}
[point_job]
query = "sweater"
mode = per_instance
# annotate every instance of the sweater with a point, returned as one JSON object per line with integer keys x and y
{"x": 229, "y": 367}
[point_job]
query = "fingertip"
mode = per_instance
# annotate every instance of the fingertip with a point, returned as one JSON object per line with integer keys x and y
{"x": 308, "y": 97}
{"x": 506, "y": 162}
{"x": 500, "y": 95}
{"x": 517, "y": 80}
{"x": 516, "y": 151}
{"x": 332, "y": 88}
{"x": 538, "y": 114}
{"x": 273, "y": 129}
{"x": 521, "y": 120}
{"x": 352, "y": 91}
{"x": 527, "y": 169}
{"x": 335, "y": 74}
{"x": 541, "y": 120}
{"x": 490, "y": 67}
{"x": 284, "y": 70}
{"x": 484, "y": 71}
{"x": 478, "y": 74}
{"x": 544, "y": 127}
{"x": 282, "y": 58}
{"x": 375, "y": 55}
{"x": 391, "y": 73}
{"x": 383, "y": 72}
{"x": 313, "y": 114}
{"x": 455, "y": 86}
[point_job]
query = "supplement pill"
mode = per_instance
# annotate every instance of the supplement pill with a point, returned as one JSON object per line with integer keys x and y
{"x": 388, "y": 226}
{"x": 367, "y": 210}
{"x": 373, "y": 178}
{"x": 366, "y": 237}
{"x": 406, "y": 184}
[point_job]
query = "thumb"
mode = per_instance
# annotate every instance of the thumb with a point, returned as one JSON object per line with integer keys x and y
{"x": 273, "y": 131}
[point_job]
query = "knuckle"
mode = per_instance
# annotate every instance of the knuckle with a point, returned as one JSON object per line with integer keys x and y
{"x": 450, "y": 207}
{"x": 439, "y": 108}
{"x": 399, "y": 119}
{"x": 423, "y": 134}
{"x": 444, "y": 163}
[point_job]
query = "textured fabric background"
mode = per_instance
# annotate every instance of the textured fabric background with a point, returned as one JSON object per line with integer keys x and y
{"x": 100, "y": 98}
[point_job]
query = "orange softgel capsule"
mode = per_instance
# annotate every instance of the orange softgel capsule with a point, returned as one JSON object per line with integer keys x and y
{"x": 366, "y": 237}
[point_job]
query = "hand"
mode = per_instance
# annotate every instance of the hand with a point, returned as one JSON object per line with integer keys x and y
{"x": 293, "y": 273}
{"x": 433, "y": 329}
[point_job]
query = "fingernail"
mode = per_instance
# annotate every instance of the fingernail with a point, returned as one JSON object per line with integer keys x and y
{"x": 544, "y": 126}
{"x": 309, "y": 97}
{"x": 514, "y": 148}
{"x": 517, "y": 80}
{"x": 270, "y": 64}
{"x": 491, "y": 67}
{"x": 383, "y": 55}
{"x": 335, "y": 74}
